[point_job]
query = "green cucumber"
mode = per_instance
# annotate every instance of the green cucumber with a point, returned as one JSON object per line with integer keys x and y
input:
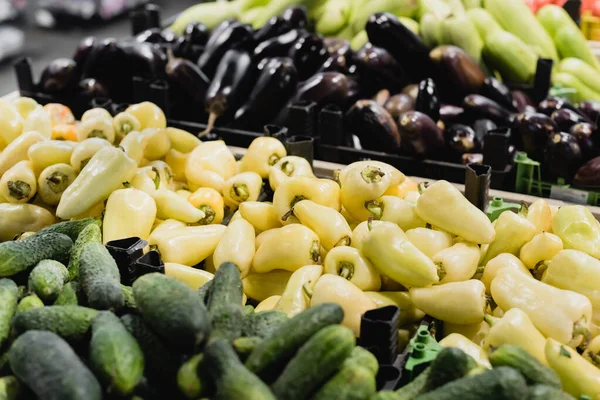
{"x": 269, "y": 356}
{"x": 69, "y": 322}
{"x": 10, "y": 388}
{"x": 129, "y": 300}
{"x": 535, "y": 372}
{"x": 47, "y": 280}
{"x": 50, "y": 367}
{"x": 29, "y": 302}
{"x": 414, "y": 388}
{"x": 315, "y": 362}
{"x": 90, "y": 234}
{"x": 192, "y": 378}
{"x": 70, "y": 228}
{"x": 172, "y": 310}
{"x": 364, "y": 358}
{"x": 243, "y": 346}
{"x": 8, "y": 299}
{"x": 502, "y": 383}
{"x": 248, "y": 310}
{"x": 352, "y": 382}
{"x": 23, "y": 255}
{"x": 545, "y": 392}
{"x": 100, "y": 278}
{"x": 225, "y": 303}
{"x": 386, "y": 395}
{"x": 450, "y": 364}
{"x": 204, "y": 291}
{"x": 115, "y": 355}
{"x": 263, "y": 323}
{"x": 231, "y": 378}
{"x": 69, "y": 295}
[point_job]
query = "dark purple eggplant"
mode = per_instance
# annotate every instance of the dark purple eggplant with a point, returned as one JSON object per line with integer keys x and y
{"x": 297, "y": 17}
{"x": 276, "y": 26}
{"x": 336, "y": 63}
{"x": 584, "y": 133}
{"x": 184, "y": 49}
{"x": 327, "y": 88}
{"x": 588, "y": 175}
{"x": 59, "y": 76}
{"x": 459, "y": 75}
{"x": 187, "y": 77}
{"x": 450, "y": 114}
{"x": 522, "y": 101}
{"x": 563, "y": 156}
{"x": 531, "y": 131}
{"x": 382, "y": 97}
{"x": 90, "y": 88}
{"x": 337, "y": 46}
{"x": 493, "y": 89}
{"x": 420, "y": 134}
{"x": 482, "y": 127}
{"x": 472, "y": 158}
{"x": 411, "y": 90}
{"x": 591, "y": 109}
{"x": 83, "y": 50}
{"x": 378, "y": 69}
{"x": 398, "y": 104}
{"x": 428, "y": 101}
{"x": 230, "y": 84}
{"x": 274, "y": 86}
{"x": 196, "y": 33}
{"x": 110, "y": 64}
{"x": 552, "y": 104}
{"x": 386, "y": 31}
{"x": 234, "y": 36}
{"x": 309, "y": 53}
{"x": 278, "y": 46}
{"x": 155, "y": 35}
{"x": 566, "y": 118}
{"x": 146, "y": 59}
{"x": 477, "y": 106}
{"x": 373, "y": 125}
{"x": 461, "y": 139}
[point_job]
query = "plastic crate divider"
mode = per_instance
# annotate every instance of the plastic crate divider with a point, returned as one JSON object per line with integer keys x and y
{"x": 301, "y": 146}
{"x": 125, "y": 253}
{"x": 276, "y": 131}
{"x": 148, "y": 263}
{"x": 379, "y": 333}
{"x": 141, "y": 89}
{"x": 102, "y": 102}
{"x": 24, "y": 75}
{"x": 158, "y": 94}
{"x": 542, "y": 80}
{"x": 330, "y": 126}
{"x": 145, "y": 17}
{"x": 496, "y": 152}
{"x": 477, "y": 184}
{"x": 301, "y": 118}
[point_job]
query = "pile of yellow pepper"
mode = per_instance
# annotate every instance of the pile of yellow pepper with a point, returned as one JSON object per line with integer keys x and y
{"x": 368, "y": 239}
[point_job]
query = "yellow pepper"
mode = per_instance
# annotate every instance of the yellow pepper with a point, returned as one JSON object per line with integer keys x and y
{"x": 578, "y": 229}
{"x": 455, "y": 302}
{"x": 476, "y": 333}
{"x": 24, "y": 105}
{"x": 17, "y": 150}
{"x": 49, "y": 152}
{"x": 38, "y": 120}
{"x": 321, "y": 191}
{"x": 171, "y": 206}
{"x": 184, "y": 193}
{"x": 294, "y": 299}
{"x": 458, "y": 262}
{"x": 148, "y": 114}
{"x": 84, "y": 151}
{"x": 19, "y": 218}
{"x": 401, "y": 212}
{"x": 182, "y": 141}
{"x": 210, "y": 164}
{"x": 460, "y": 342}
{"x": 102, "y": 175}
{"x": 188, "y": 245}
{"x": 515, "y": 327}
{"x": 361, "y": 187}
{"x": 260, "y": 214}
{"x": 504, "y": 260}
{"x": 177, "y": 160}
{"x": 412, "y": 197}
{"x": 146, "y": 179}
{"x": 360, "y": 232}
{"x": 53, "y": 181}
{"x": 512, "y": 232}
{"x": 267, "y": 304}
{"x": 135, "y": 144}
{"x": 158, "y": 143}
{"x": 59, "y": 114}
{"x": 65, "y": 132}
{"x": 129, "y": 212}
{"x": 429, "y": 241}
{"x": 335, "y": 289}
{"x": 348, "y": 263}
{"x": 408, "y": 312}
{"x": 293, "y": 246}
{"x": 261, "y": 286}
{"x": 164, "y": 173}
{"x": 542, "y": 247}
{"x": 263, "y": 236}
{"x": 394, "y": 256}
{"x": 540, "y": 215}
{"x": 124, "y": 123}
{"x": 96, "y": 211}
{"x": 288, "y": 167}
{"x": 396, "y": 177}
{"x": 209, "y": 201}
{"x": 592, "y": 351}
{"x": 95, "y": 113}
{"x": 18, "y": 184}
{"x": 578, "y": 376}
{"x": 236, "y": 246}
{"x": 262, "y": 154}
{"x": 96, "y": 128}
{"x": 401, "y": 190}
{"x": 241, "y": 187}
{"x": 161, "y": 227}
{"x": 194, "y": 278}
{"x": 443, "y": 206}
{"x": 11, "y": 124}
{"x": 560, "y": 314}
{"x": 327, "y": 223}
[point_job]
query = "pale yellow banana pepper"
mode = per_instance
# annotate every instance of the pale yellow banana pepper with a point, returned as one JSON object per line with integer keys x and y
{"x": 263, "y": 236}
{"x": 53, "y": 181}
{"x": 188, "y": 245}
{"x": 592, "y": 352}
{"x": 429, "y": 241}
{"x": 322, "y": 191}
{"x": 401, "y": 190}
{"x": 460, "y": 342}
{"x": 129, "y": 212}
{"x": 476, "y": 333}
{"x": 171, "y": 206}
{"x": 17, "y": 150}
{"x": 176, "y": 161}
{"x": 96, "y": 127}
{"x": 158, "y": 143}
{"x": 146, "y": 179}
{"x": 165, "y": 174}
{"x": 578, "y": 376}
{"x": 19, "y": 218}
{"x": 335, "y": 289}
{"x": 458, "y": 262}
{"x": 287, "y": 167}
{"x": 327, "y": 223}
{"x": 182, "y": 141}
{"x": 11, "y": 124}
{"x": 262, "y": 154}
{"x": 24, "y": 105}
{"x": 209, "y": 201}
{"x": 236, "y": 246}
{"x": 261, "y": 215}
{"x": 135, "y": 144}
{"x": 455, "y": 302}
{"x": 39, "y": 120}
{"x": 18, "y": 184}
{"x": 544, "y": 246}
{"x": 443, "y": 206}
{"x": 408, "y": 312}
{"x": 504, "y": 260}
{"x": 125, "y": 123}
{"x": 360, "y": 232}
{"x": 210, "y": 164}
{"x": 84, "y": 151}
{"x": 261, "y": 286}
{"x": 148, "y": 114}
{"x": 194, "y": 278}
{"x": 161, "y": 227}
{"x": 95, "y": 113}
{"x": 401, "y": 212}
{"x": 49, "y": 152}
{"x": 361, "y": 188}
{"x": 396, "y": 177}
{"x": 512, "y": 232}
{"x": 294, "y": 298}
{"x": 348, "y": 263}
{"x": 241, "y": 187}
{"x": 578, "y": 229}
{"x": 540, "y": 215}
{"x": 267, "y": 304}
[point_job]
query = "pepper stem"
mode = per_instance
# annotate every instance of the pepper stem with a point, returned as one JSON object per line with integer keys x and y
{"x": 372, "y": 174}
{"x": 58, "y": 181}
{"x": 346, "y": 270}
{"x": 307, "y": 291}
{"x": 593, "y": 358}
{"x": 491, "y": 320}
{"x": 375, "y": 208}
{"x": 524, "y": 209}
{"x": 273, "y": 159}
{"x": 239, "y": 192}
{"x": 212, "y": 118}
{"x": 580, "y": 329}
{"x": 315, "y": 251}
{"x": 287, "y": 168}
{"x": 97, "y": 133}
{"x": 209, "y": 214}
{"x": 156, "y": 179}
{"x": 336, "y": 176}
{"x": 441, "y": 272}
{"x": 422, "y": 186}
{"x": 126, "y": 128}
{"x": 539, "y": 269}
{"x": 345, "y": 241}
{"x": 127, "y": 185}
{"x": 19, "y": 189}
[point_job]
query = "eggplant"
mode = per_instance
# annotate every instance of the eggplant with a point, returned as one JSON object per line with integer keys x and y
{"x": 234, "y": 36}
{"x": 90, "y": 88}
{"x": 588, "y": 175}
{"x": 386, "y": 31}
{"x": 373, "y": 125}
{"x": 566, "y": 118}
{"x": 274, "y": 86}
{"x": 459, "y": 75}
{"x": 428, "y": 101}
{"x": 297, "y": 17}
{"x": 461, "y": 139}
{"x": 552, "y": 104}
{"x": 59, "y": 77}
{"x": 450, "y": 114}
{"x": 420, "y": 134}
{"x": 411, "y": 90}
{"x": 562, "y": 157}
{"x": 146, "y": 60}
{"x": 156, "y": 35}
{"x": 184, "y": 49}
{"x": 278, "y": 46}
{"x": 532, "y": 132}
{"x": 335, "y": 63}
{"x": 522, "y": 101}
{"x": 186, "y": 76}
{"x": 276, "y": 26}
{"x": 482, "y": 127}
{"x": 230, "y": 84}
{"x": 110, "y": 64}
{"x": 378, "y": 69}
{"x": 196, "y": 33}
{"x": 327, "y": 88}
{"x": 477, "y": 106}
{"x": 472, "y": 158}
{"x": 382, "y": 97}
{"x": 337, "y": 46}
{"x": 591, "y": 109}
{"x": 398, "y": 104}
{"x": 584, "y": 133}
{"x": 309, "y": 53}
{"x": 83, "y": 50}
{"x": 495, "y": 90}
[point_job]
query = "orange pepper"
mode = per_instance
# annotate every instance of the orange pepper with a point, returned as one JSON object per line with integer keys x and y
{"x": 64, "y": 132}
{"x": 59, "y": 114}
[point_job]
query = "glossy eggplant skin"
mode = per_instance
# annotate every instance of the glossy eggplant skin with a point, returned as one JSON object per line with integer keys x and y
{"x": 378, "y": 69}
{"x": 552, "y": 104}
{"x": 459, "y": 75}
{"x": 562, "y": 157}
{"x": 428, "y": 101}
{"x": 90, "y": 88}
{"x": 196, "y": 33}
{"x": 309, "y": 54}
{"x": 531, "y": 131}
{"x": 146, "y": 59}
{"x": 482, "y": 127}
{"x": 566, "y": 118}
{"x": 398, "y": 104}
{"x": 450, "y": 114}
{"x": 522, "y": 101}
{"x": 386, "y": 31}
{"x": 585, "y": 133}
{"x": 421, "y": 136}
{"x": 187, "y": 77}
{"x": 110, "y": 64}
{"x": 327, "y": 88}
{"x": 276, "y": 26}
{"x": 296, "y": 17}
{"x": 155, "y": 35}
{"x": 495, "y": 90}
{"x": 591, "y": 109}
{"x": 278, "y": 46}
{"x": 337, "y": 46}
{"x": 461, "y": 139}
{"x": 335, "y": 63}
{"x": 184, "y": 49}
{"x": 83, "y": 50}
{"x": 275, "y": 85}
{"x": 60, "y": 76}
{"x": 374, "y": 126}
{"x": 477, "y": 106}
{"x": 588, "y": 175}
{"x": 234, "y": 36}
{"x": 411, "y": 90}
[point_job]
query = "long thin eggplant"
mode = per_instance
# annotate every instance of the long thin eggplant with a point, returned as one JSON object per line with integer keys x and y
{"x": 458, "y": 74}
{"x": 59, "y": 76}
{"x": 274, "y": 86}
{"x": 477, "y": 106}
{"x": 420, "y": 134}
{"x": 327, "y": 88}
{"x": 308, "y": 53}
{"x": 563, "y": 156}
{"x": 234, "y": 36}
{"x": 278, "y": 46}
{"x": 274, "y": 27}
{"x": 531, "y": 131}
{"x": 378, "y": 69}
{"x": 186, "y": 75}
{"x": 495, "y": 90}
{"x": 373, "y": 125}
{"x": 428, "y": 101}
{"x": 297, "y": 17}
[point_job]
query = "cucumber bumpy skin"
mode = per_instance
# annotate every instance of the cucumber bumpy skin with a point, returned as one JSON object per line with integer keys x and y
{"x": 72, "y": 323}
